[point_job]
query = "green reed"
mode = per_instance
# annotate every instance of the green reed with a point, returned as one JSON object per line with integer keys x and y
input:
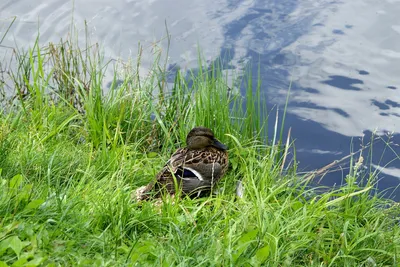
{"x": 73, "y": 150}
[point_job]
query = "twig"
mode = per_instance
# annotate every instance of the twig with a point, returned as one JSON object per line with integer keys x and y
{"x": 330, "y": 165}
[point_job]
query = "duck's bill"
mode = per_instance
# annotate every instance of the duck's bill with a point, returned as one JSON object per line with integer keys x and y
{"x": 219, "y": 145}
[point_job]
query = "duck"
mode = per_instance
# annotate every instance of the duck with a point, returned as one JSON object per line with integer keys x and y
{"x": 193, "y": 170}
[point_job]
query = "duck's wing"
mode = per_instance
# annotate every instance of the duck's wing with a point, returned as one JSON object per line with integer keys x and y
{"x": 194, "y": 170}
{"x": 202, "y": 165}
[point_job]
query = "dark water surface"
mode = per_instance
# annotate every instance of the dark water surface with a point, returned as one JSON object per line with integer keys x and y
{"x": 342, "y": 58}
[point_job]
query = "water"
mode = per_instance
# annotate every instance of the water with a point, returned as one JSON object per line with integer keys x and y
{"x": 342, "y": 58}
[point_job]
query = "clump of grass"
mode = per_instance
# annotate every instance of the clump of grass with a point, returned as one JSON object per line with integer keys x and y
{"x": 71, "y": 154}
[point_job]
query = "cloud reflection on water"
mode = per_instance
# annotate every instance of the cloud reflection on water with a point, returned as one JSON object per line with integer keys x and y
{"x": 342, "y": 57}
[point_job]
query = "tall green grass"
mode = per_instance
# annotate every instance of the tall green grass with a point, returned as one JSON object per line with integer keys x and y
{"x": 71, "y": 155}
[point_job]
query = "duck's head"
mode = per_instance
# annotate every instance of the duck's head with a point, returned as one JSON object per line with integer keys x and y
{"x": 201, "y": 137}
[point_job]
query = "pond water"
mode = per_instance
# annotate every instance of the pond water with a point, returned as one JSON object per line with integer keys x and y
{"x": 341, "y": 59}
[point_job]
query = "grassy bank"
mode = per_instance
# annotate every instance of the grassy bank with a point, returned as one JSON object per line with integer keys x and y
{"x": 70, "y": 156}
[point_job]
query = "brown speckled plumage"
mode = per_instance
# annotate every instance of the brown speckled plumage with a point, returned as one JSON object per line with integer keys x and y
{"x": 195, "y": 168}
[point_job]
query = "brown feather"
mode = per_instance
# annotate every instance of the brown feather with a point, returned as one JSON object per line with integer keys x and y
{"x": 205, "y": 156}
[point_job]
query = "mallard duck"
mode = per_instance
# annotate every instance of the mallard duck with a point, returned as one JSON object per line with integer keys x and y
{"x": 195, "y": 168}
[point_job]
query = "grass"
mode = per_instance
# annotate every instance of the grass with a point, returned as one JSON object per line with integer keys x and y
{"x": 70, "y": 156}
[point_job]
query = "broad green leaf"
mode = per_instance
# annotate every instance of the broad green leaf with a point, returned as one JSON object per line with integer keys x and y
{"x": 15, "y": 244}
{"x": 146, "y": 248}
{"x": 3, "y": 264}
{"x": 16, "y": 181}
{"x": 34, "y": 204}
{"x": 234, "y": 164}
{"x": 262, "y": 254}
{"x": 244, "y": 242}
{"x": 249, "y": 236}
{"x": 35, "y": 261}
{"x": 20, "y": 262}
{"x": 152, "y": 154}
{"x": 25, "y": 192}
{"x": 3, "y": 247}
{"x": 297, "y": 205}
